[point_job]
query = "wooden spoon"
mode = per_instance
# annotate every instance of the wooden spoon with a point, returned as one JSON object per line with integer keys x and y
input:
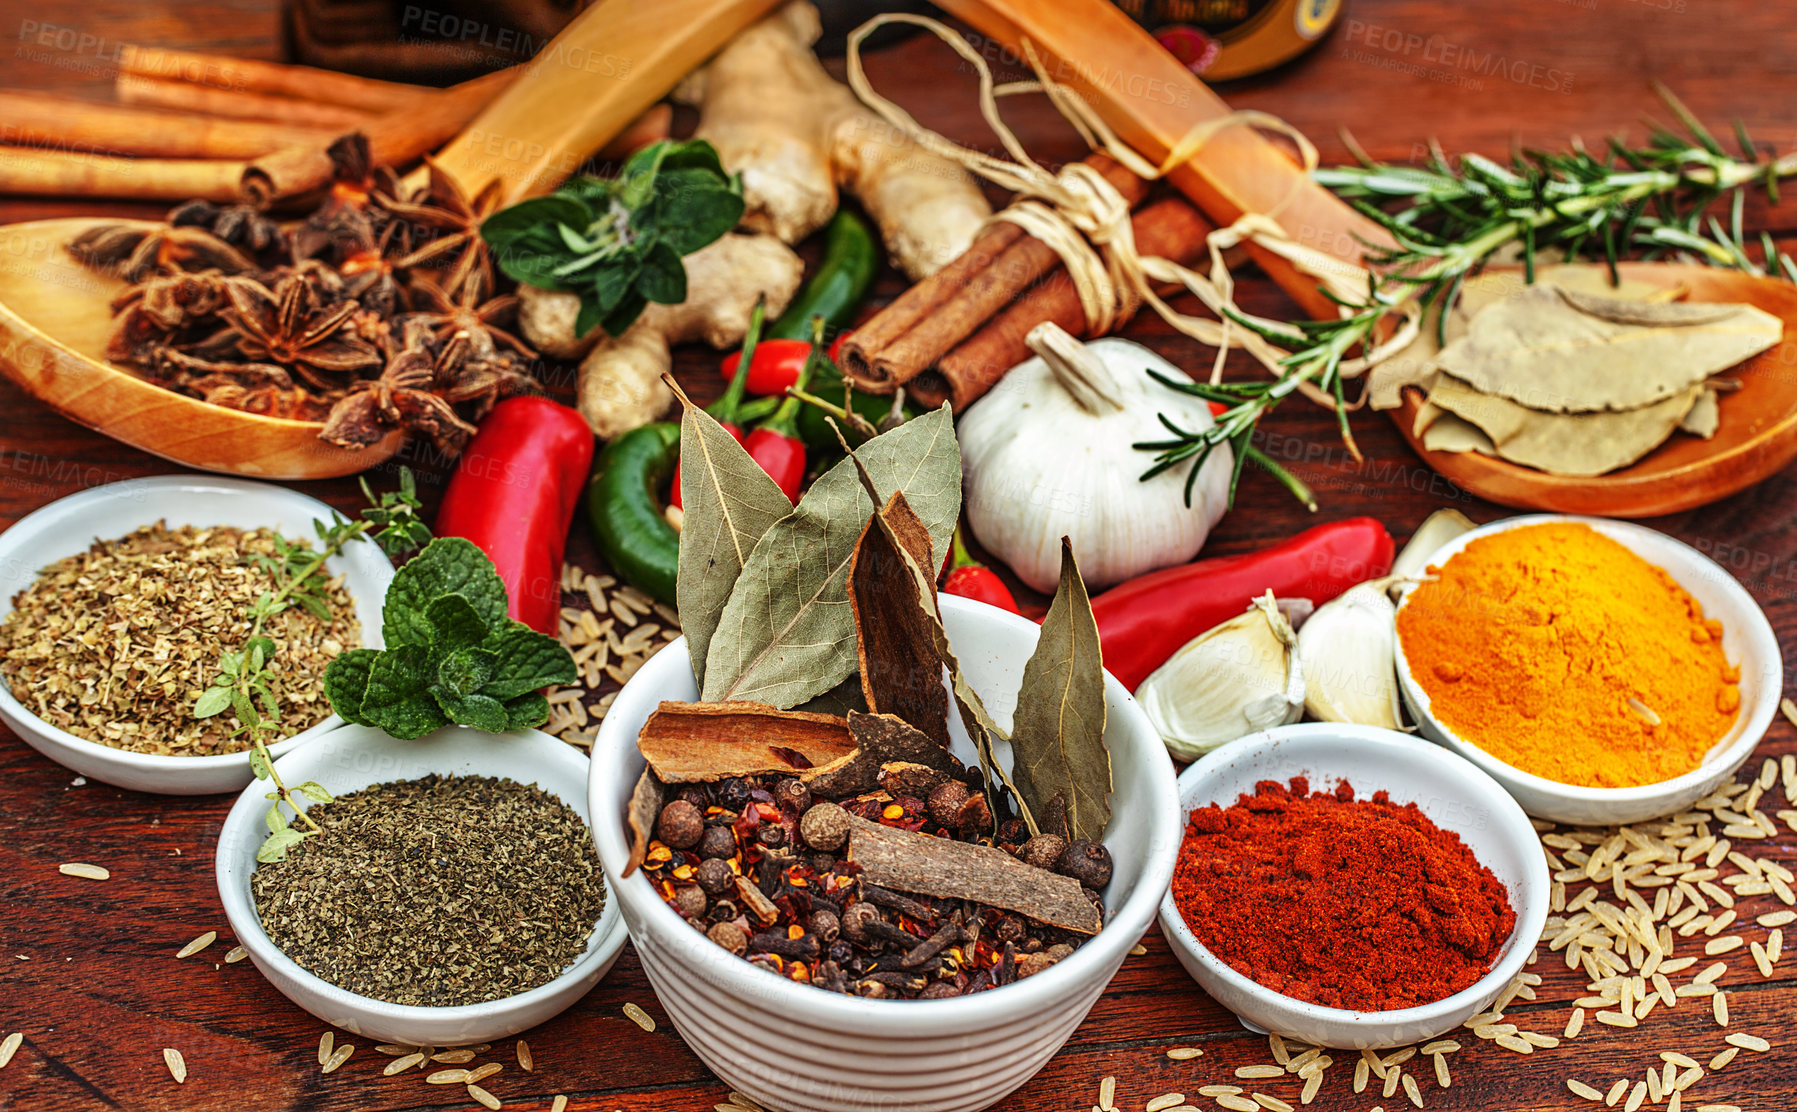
{"x": 55, "y": 317}
{"x": 1755, "y": 438}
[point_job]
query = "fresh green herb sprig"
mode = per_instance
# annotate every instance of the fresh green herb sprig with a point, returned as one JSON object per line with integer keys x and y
{"x": 618, "y": 242}
{"x": 452, "y": 654}
{"x": 297, "y": 572}
{"x": 1446, "y": 221}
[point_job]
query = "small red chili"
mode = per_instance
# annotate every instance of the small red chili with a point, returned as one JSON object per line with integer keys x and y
{"x": 775, "y": 366}
{"x": 727, "y": 409}
{"x": 969, "y": 578}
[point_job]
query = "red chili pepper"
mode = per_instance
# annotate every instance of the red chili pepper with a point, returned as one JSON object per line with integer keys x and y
{"x": 775, "y": 443}
{"x": 513, "y": 494}
{"x": 836, "y": 347}
{"x": 776, "y": 366}
{"x": 1144, "y": 621}
{"x": 969, "y": 578}
{"x": 727, "y": 409}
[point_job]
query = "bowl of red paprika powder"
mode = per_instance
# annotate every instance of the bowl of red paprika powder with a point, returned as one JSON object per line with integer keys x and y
{"x": 1352, "y": 887}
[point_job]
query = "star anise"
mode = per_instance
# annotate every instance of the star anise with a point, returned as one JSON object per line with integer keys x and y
{"x": 241, "y": 225}
{"x": 309, "y": 340}
{"x": 399, "y": 398}
{"x": 469, "y": 310}
{"x": 134, "y": 253}
{"x": 152, "y": 312}
{"x": 463, "y": 377}
{"x": 352, "y": 216}
{"x": 447, "y": 221}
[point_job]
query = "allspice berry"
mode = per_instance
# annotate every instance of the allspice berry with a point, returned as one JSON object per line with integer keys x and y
{"x": 792, "y": 796}
{"x": 945, "y": 803}
{"x": 1087, "y": 862}
{"x": 680, "y": 826}
{"x": 825, "y": 827}
{"x": 825, "y": 926}
{"x": 855, "y": 919}
{"x": 690, "y": 902}
{"x": 715, "y": 876}
{"x": 717, "y": 841}
{"x": 1043, "y": 851}
{"x": 730, "y": 936}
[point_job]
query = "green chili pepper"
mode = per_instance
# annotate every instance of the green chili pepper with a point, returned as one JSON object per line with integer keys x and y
{"x": 838, "y": 286}
{"x": 814, "y": 429}
{"x": 625, "y": 507}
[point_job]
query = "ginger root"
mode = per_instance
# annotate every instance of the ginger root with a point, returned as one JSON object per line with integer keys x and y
{"x": 620, "y": 385}
{"x": 796, "y": 134}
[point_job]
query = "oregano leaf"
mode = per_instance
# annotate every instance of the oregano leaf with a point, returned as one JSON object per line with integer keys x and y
{"x": 275, "y": 846}
{"x": 314, "y": 791}
{"x": 212, "y": 701}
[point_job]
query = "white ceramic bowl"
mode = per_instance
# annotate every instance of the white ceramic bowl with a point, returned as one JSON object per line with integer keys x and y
{"x": 70, "y": 525}
{"x": 802, "y": 1049}
{"x": 1747, "y": 640}
{"x": 353, "y": 758}
{"x": 1454, "y": 795}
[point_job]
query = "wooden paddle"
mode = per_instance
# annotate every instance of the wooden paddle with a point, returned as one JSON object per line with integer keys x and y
{"x": 612, "y": 62}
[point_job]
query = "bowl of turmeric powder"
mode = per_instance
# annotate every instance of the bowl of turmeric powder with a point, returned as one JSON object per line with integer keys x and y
{"x": 1603, "y": 672}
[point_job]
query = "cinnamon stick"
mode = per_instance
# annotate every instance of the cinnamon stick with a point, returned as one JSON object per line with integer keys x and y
{"x": 29, "y": 171}
{"x": 930, "y": 318}
{"x": 238, "y": 104}
{"x": 249, "y": 75}
{"x": 696, "y": 742}
{"x": 45, "y": 120}
{"x": 394, "y": 138}
{"x": 1171, "y": 228}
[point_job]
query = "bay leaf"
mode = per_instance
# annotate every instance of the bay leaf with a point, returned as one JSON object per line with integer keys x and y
{"x": 1448, "y": 433}
{"x": 787, "y": 632}
{"x": 900, "y": 672}
{"x": 1564, "y": 351}
{"x": 1057, "y": 734}
{"x": 1565, "y": 443}
{"x": 728, "y": 503}
{"x": 1705, "y": 416}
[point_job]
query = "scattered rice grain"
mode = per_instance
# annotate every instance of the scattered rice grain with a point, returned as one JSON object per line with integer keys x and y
{"x": 338, "y": 1057}
{"x": 85, "y": 871}
{"x": 1719, "y": 1006}
{"x": 1256, "y": 1072}
{"x": 1724, "y": 1058}
{"x": 447, "y": 1077}
{"x": 1237, "y": 1104}
{"x": 1574, "y": 1024}
{"x": 1580, "y": 1089}
{"x": 401, "y": 1065}
{"x": 1107, "y": 1093}
{"x": 1184, "y": 1053}
{"x": 484, "y": 1098}
{"x": 1311, "y": 1086}
{"x": 1747, "y": 1042}
{"x": 177, "y": 1065}
{"x": 326, "y": 1043}
{"x": 1165, "y": 1101}
{"x": 1271, "y": 1103}
{"x": 10, "y": 1046}
{"x": 639, "y": 1017}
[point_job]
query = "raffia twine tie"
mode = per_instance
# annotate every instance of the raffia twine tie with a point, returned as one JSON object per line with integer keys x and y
{"x": 1086, "y": 221}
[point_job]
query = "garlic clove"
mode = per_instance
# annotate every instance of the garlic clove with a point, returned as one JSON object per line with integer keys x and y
{"x": 1348, "y": 653}
{"x": 1436, "y": 530}
{"x": 1226, "y": 683}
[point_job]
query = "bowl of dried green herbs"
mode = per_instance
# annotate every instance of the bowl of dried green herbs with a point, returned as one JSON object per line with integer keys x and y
{"x": 157, "y": 633}
{"x": 437, "y": 891}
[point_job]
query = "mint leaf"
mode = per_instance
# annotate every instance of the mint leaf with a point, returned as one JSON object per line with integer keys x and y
{"x": 454, "y": 624}
{"x": 346, "y": 684}
{"x": 525, "y": 660}
{"x": 399, "y": 699}
{"x": 662, "y": 278}
{"x": 480, "y": 711}
{"x": 612, "y": 284}
{"x": 508, "y": 226}
{"x": 527, "y": 711}
{"x": 465, "y": 671}
{"x": 620, "y": 319}
{"x": 590, "y": 316}
{"x": 447, "y": 566}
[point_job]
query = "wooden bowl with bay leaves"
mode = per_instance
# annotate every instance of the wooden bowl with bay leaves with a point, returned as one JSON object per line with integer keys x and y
{"x": 1756, "y": 436}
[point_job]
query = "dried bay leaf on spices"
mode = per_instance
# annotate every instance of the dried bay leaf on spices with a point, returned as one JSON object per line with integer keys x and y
{"x": 787, "y": 632}
{"x": 900, "y": 672}
{"x": 1057, "y": 733}
{"x": 728, "y": 503}
{"x": 1558, "y": 350}
{"x": 1448, "y": 433}
{"x": 1565, "y": 443}
{"x": 1705, "y": 416}
{"x": 839, "y": 700}
{"x": 687, "y": 743}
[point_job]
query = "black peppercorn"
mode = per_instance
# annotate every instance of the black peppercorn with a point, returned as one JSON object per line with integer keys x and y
{"x": 792, "y": 796}
{"x": 715, "y": 876}
{"x": 680, "y": 825}
{"x": 690, "y": 902}
{"x": 731, "y": 794}
{"x": 825, "y": 826}
{"x": 1087, "y": 862}
{"x": 718, "y": 841}
{"x": 1043, "y": 851}
{"x": 730, "y": 936}
{"x": 946, "y": 803}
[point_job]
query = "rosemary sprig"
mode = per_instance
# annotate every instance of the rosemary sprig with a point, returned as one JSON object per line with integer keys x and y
{"x": 1447, "y": 220}
{"x": 390, "y": 521}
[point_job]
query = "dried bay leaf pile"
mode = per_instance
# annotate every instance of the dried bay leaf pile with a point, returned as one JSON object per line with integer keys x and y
{"x": 817, "y": 639}
{"x": 1571, "y": 375}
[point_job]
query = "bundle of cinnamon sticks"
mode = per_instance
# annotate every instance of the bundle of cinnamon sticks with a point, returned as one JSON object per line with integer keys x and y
{"x": 953, "y": 335}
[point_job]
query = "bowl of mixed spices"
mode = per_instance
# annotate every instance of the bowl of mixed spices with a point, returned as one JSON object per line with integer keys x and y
{"x": 1351, "y": 887}
{"x": 1601, "y": 671}
{"x": 435, "y": 892}
{"x": 128, "y": 610}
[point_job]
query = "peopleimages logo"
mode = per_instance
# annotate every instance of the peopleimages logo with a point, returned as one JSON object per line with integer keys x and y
{"x": 1452, "y": 62}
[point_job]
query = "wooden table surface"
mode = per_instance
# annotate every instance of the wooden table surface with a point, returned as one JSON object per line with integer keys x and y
{"x": 87, "y": 971}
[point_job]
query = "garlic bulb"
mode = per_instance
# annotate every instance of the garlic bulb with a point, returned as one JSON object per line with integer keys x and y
{"x": 1348, "y": 651}
{"x": 1227, "y": 683}
{"x": 1047, "y": 454}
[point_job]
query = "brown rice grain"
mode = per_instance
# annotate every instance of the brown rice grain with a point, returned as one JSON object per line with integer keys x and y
{"x": 1719, "y": 1006}
{"x": 1361, "y": 1070}
{"x": 1687, "y": 1079}
{"x": 10, "y": 1046}
{"x": 453, "y": 1057}
{"x": 1271, "y": 1103}
{"x": 1723, "y": 1058}
{"x": 1441, "y": 1046}
{"x": 1636, "y": 1096}
{"x": 177, "y": 1065}
{"x": 1580, "y": 1089}
{"x": 1511, "y": 1042}
{"x": 1219, "y": 1090}
{"x": 235, "y": 954}
{"x": 560, "y": 1104}
{"x": 484, "y": 1098}
{"x": 1721, "y": 945}
{"x": 1711, "y": 973}
{"x": 1312, "y": 1068}
{"x": 401, "y": 1065}
{"x": 338, "y": 1057}
{"x": 1775, "y": 945}
{"x": 1574, "y": 1024}
{"x": 525, "y": 1061}
{"x": 1616, "y": 1091}
{"x": 1680, "y": 1060}
{"x": 1392, "y": 1078}
{"x": 1164, "y": 1102}
{"x": 1747, "y": 1042}
{"x": 395, "y": 1050}
{"x": 197, "y": 945}
{"x": 1107, "y": 1093}
{"x": 1276, "y": 1047}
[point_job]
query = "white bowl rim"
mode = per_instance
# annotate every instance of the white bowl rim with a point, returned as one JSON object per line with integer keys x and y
{"x": 956, "y": 1014}
{"x": 1756, "y": 631}
{"x": 356, "y": 564}
{"x": 1523, "y": 935}
{"x": 246, "y": 810}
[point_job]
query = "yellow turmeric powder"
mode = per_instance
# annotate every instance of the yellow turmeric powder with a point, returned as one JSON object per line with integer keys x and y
{"x": 1560, "y": 652}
